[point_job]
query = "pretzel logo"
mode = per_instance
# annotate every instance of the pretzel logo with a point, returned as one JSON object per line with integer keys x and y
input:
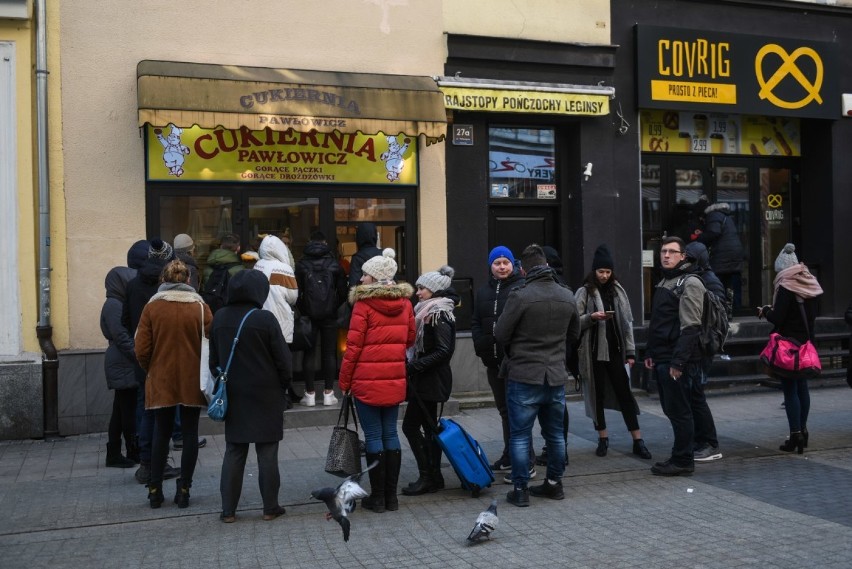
{"x": 789, "y": 67}
{"x": 658, "y": 144}
{"x": 774, "y": 200}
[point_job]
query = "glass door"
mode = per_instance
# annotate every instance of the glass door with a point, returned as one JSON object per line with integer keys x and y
{"x": 733, "y": 182}
{"x": 776, "y": 188}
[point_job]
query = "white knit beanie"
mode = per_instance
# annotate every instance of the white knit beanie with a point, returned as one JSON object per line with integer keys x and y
{"x": 381, "y": 267}
{"x": 786, "y": 258}
{"x": 437, "y": 280}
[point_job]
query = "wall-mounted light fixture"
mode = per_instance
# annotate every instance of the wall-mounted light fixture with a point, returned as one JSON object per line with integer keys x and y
{"x": 587, "y": 173}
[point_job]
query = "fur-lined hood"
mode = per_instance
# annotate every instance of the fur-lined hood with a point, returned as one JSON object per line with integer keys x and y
{"x": 722, "y": 207}
{"x": 176, "y": 292}
{"x": 381, "y": 291}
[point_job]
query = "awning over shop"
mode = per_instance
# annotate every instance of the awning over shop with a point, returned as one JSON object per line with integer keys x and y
{"x": 465, "y": 94}
{"x": 231, "y": 96}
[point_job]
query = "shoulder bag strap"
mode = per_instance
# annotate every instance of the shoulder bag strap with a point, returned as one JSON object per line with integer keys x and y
{"x": 236, "y": 340}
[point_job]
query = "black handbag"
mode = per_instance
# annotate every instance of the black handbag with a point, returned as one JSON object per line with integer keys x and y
{"x": 218, "y": 407}
{"x": 344, "y": 451}
{"x": 303, "y": 332}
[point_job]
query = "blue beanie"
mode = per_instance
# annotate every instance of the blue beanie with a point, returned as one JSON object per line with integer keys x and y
{"x": 500, "y": 251}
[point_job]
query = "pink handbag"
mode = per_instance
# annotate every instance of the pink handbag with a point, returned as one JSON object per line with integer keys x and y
{"x": 787, "y": 358}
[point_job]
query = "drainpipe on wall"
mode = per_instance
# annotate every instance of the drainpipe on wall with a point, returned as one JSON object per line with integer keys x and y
{"x": 44, "y": 331}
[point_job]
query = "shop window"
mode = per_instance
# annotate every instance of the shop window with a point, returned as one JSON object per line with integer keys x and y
{"x": 290, "y": 219}
{"x": 204, "y": 218}
{"x": 387, "y": 213}
{"x": 521, "y": 163}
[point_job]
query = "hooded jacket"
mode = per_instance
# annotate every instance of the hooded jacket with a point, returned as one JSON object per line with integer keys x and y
{"x": 283, "y": 291}
{"x": 119, "y": 359}
{"x": 140, "y": 290}
{"x": 488, "y": 305}
{"x": 380, "y": 331}
{"x": 430, "y": 374}
{"x": 537, "y": 328}
{"x": 721, "y": 238}
{"x": 318, "y": 257}
{"x": 698, "y": 253}
{"x": 261, "y": 368}
{"x": 366, "y": 237}
{"x": 222, "y": 257}
{"x": 168, "y": 346}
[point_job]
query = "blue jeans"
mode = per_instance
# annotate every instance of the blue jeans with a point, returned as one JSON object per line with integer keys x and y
{"x": 676, "y": 399}
{"x": 379, "y": 424}
{"x": 797, "y": 403}
{"x": 525, "y": 402}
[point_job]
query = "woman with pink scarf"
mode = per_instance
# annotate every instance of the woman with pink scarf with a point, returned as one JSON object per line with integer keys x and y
{"x": 793, "y": 312}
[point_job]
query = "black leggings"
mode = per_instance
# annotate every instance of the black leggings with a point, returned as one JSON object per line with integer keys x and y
{"x": 613, "y": 374}
{"x": 123, "y": 419}
{"x": 416, "y": 425}
{"x": 164, "y": 422}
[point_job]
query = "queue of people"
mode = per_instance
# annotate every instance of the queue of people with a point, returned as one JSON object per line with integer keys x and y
{"x": 527, "y": 327}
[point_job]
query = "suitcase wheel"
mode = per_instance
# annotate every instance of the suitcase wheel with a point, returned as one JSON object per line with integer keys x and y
{"x": 475, "y": 492}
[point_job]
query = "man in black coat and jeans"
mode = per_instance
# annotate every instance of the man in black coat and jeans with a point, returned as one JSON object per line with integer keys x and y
{"x": 537, "y": 321}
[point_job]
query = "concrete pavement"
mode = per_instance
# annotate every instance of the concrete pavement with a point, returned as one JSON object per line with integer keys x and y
{"x": 757, "y": 507}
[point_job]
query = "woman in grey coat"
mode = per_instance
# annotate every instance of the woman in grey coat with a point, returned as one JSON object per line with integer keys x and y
{"x": 606, "y": 345}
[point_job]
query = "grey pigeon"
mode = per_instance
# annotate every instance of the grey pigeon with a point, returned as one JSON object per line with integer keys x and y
{"x": 485, "y": 524}
{"x": 341, "y": 500}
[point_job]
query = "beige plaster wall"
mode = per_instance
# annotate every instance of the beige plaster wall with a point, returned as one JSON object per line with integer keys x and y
{"x": 567, "y": 21}
{"x": 101, "y": 43}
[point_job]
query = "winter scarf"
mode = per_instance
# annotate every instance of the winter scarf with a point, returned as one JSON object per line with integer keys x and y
{"x": 426, "y": 312}
{"x": 798, "y": 280}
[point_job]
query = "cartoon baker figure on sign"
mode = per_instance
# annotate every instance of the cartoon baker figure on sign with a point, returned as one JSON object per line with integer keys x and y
{"x": 173, "y": 150}
{"x": 393, "y": 160}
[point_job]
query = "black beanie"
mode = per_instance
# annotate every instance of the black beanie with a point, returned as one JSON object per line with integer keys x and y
{"x": 602, "y": 259}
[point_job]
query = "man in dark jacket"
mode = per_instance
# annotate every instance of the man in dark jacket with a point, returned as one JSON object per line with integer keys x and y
{"x": 319, "y": 300}
{"x": 537, "y": 321}
{"x": 366, "y": 237}
{"x": 674, "y": 351}
{"x": 726, "y": 250}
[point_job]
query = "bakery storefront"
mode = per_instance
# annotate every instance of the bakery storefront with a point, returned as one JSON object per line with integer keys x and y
{"x": 258, "y": 151}
{"x": 724, "y": 116}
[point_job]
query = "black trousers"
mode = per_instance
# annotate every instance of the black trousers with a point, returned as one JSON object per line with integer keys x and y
{"x": 164, "y": 422}
{"x": 326, "y": 332}
{"x": 123, "y": 418}
{"x": 233, "y": 469}
{"x": 612, "y": 373}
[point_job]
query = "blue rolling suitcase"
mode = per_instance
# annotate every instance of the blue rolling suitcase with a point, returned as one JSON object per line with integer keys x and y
{"x": 465, "y": 455}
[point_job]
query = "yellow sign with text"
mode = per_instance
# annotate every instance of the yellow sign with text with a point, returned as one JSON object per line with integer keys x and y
{"x": 243, "y": 155}
{"x": 512, "y": 101}
{"x": 695, "y": 92}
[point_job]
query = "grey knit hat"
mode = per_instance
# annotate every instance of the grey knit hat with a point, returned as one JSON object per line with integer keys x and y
{"x": 437, "y": 280}
{"x": 159, "y": 249}
{"x": 183, "y": 243}
{"x": 786, "y": 258}
{"x": 381, "y": 267}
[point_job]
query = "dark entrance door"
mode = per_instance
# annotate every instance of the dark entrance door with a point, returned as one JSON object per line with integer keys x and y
{"x": 517, "y": 227}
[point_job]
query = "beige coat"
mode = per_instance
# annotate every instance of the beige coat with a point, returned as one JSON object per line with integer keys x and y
{"x": 168, "y": 347}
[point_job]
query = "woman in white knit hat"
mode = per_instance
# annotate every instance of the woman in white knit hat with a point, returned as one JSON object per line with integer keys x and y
{"x": 373, "y": 369}
{"x": 430, "y": 379}
{"x": 793, "y": 312}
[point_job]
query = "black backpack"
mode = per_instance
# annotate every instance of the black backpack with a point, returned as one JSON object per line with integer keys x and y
{"x": 318, "y": 297}
{"x": 215, "y": 291}
{"x": 714, "y": 319}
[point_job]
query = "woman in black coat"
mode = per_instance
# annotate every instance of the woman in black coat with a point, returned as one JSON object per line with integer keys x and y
{"x": 430, "y": 379}
{"x": 258, "y": 378}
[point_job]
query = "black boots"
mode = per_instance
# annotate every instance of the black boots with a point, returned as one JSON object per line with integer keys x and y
{"x": 155, "y": 495}
{"x": 640, "y": 450}
{"x": 376, "y": 500}
{"x": 132, "y": 444}
{"x": 114, "y": 458}
{"x": 435, "y": 452}
{"x": 805, "y": 435}
{"x": 424, "y": 483}
{"x": 603, "y": 444}
{"x": 795, "y": 442}
{"x": 182, "y": 492}
{"x": 393, "y": 462}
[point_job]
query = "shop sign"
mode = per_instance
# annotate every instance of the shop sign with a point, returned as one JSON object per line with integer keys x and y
{"x": 719, "y": 133}
{"x": 517, "y": 101}
{"x": 243, "y": 155}
{"x": 702, "y": 70}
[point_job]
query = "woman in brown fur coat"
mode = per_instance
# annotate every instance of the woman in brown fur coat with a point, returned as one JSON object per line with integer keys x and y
{"x": 168, "y": 347}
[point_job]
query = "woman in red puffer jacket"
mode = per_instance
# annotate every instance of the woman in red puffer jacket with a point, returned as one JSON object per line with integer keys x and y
{"x": 373, "y": 369}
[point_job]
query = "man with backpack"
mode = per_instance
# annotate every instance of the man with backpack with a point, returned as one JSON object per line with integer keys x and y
{"x": 222, "y": 264}
{"x": 322, "y": 289}
{"x": 674, "y": 353}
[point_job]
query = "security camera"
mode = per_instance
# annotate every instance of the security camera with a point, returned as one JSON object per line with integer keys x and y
{"x": 588, "y": 171}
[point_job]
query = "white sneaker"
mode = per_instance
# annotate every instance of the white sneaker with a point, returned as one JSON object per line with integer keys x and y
{"x": 329, "y": 399}
{"x": 309, "y": 400}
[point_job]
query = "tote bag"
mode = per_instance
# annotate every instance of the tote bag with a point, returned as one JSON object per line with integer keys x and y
{"x": 344, "y": 451}
{"x": 205, "y": 377}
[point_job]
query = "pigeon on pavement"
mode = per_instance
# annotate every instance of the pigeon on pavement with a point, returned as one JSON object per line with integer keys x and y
{"x": 341, "y": 500}
{"x": 485, "y": 524}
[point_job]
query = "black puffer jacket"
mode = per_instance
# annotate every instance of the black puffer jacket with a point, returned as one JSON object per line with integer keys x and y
{"x": 261, "y": 369}
{"x": 488, "y": 305}
{"x": 698, "y": 252}
{"x": 721, "y": 238}
{"x": 429, "y": 372}
{"x": 318, "y": 257}
{"x": 140, "y": 290}
{"x": 120, "y": 358}
{"x": 366, "y": 237}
